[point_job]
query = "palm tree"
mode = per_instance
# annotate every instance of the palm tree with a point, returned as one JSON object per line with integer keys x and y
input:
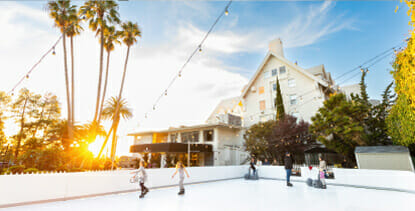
{"x": 115, "y": 110}
{"x": 61, "y": 12}
{"x": 89, "y": 131}
{"x": 129, "y": 34}
{"x": 100, "y": 14}
{"x": 111, "y": 37}
{"x": 74, "y": 28}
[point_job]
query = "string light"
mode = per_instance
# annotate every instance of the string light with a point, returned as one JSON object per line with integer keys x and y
{"x": 53, "y": 52}
{"x": 27, "y": 76}
{"x": 199, "y": 48}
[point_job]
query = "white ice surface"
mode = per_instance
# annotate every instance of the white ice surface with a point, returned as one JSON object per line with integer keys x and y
{"x": 240, "y": 195}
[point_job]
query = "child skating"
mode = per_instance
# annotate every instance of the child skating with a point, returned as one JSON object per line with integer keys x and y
{"x": 181, "y": 169}
{"x": 142, "y": 177}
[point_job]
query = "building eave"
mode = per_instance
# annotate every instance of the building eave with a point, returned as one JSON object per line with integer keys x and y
{"x": 289, "y": 64}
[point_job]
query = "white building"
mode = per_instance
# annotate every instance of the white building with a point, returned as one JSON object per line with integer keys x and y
{"x": 209, "y": 144}
{"x": 303, "y": 92}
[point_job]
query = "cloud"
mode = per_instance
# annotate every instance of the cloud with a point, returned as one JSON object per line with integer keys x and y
{"x": 206, "y": 80}
{"x": 314, "y": 24}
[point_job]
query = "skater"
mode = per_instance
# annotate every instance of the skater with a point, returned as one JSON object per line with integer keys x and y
{"x": 266, "y": 162}
{"x": 252, "y": 164}
{"x": 288, "y": 161}
{"x": 181, "y": 169}
{"x": 323, "y": 170}
{"x": 142, "y": 175}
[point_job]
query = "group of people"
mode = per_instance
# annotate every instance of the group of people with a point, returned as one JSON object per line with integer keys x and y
{"x": 141, "y": 176}
{"x": 288, "y": 165}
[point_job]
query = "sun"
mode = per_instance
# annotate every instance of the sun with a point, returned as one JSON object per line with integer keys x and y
{"x": 95, "y": 146}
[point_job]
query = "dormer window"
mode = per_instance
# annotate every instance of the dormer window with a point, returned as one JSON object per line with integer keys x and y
{"x": 274, "y": 72}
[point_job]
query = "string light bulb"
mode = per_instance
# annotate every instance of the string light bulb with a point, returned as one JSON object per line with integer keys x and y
{"x": 27, "y": 76}
{"x": 226, "y": 12}
{"x": 154, "y": 107}
{"x": 53, "y": 52}
{"x": 165, "y": 92}
{"x": 180, "y": 74}
{"x": 200, "y": 48}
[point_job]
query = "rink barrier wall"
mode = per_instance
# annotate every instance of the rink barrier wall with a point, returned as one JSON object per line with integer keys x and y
{"x": 16, "y": 190}
{"x": 26, "y": 189}
{"x": 403, "y": 181}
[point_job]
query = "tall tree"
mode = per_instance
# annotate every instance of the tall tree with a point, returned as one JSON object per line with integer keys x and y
{"x": 115, "y": 110}
{"x": 279, "y": 104}
{"x": 337, "y": 125}
{"x": 401, "y": 120}
{"x": 128, "y": 35}
{"x": 74, "y": 29}
{"x": 378, "y": 130}
{"x": 4, "y": 101}
{"x": 61, "y": 12}
{"x": 111, "y": 38}
{"x": 100, "y": 14}
{"x": 24, "y": 108}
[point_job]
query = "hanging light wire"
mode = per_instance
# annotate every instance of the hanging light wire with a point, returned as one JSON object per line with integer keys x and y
{"x": 225, "y": 11}
{"x": 26, "y": 75}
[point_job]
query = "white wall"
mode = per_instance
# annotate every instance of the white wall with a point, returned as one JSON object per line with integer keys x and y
{"x": 403, "y": 180}
{"x": 39, "y": 187}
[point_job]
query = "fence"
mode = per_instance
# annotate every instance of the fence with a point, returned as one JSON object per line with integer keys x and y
{"x": 29, "y": 188}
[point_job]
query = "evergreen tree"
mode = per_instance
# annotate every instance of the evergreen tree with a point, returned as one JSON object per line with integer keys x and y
{"x": 338, "y": 125}
{"x": 279, "y": 104}
{"x": 377, "y": 125}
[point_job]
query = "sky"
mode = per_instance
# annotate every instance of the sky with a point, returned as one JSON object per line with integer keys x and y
{"x": 341, "y": 35}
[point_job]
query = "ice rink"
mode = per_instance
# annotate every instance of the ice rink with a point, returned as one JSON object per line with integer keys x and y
{"x": 240, "y": 194}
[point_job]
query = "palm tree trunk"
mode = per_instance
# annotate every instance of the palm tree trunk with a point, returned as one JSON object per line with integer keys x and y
{"x": 104, "y": 91}
{"x": 117, "y": 110}
{"x": 19, "y": 139}
{"x": 68, "y": 99}
{"x": 114, "y": 142}
{"x": 101, "y": 58}
{"x": 105, "y": 141}
{"x": 73, "y": 85}
{"x": 123, "y": 75}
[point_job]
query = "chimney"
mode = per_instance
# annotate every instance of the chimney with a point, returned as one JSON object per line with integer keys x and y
{"x": 275, "y": 46}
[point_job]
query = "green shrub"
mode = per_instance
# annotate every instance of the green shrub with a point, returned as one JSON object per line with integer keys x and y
{"x": 31, "y": 171}
{"x": 17, "y": 169}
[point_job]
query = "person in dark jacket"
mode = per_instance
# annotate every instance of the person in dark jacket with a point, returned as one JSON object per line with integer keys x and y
{"x": 288, "y": 161}
{"x": 252, "y": 164}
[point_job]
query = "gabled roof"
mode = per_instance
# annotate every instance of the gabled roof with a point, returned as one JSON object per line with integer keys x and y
{"x": 287, "y": 63}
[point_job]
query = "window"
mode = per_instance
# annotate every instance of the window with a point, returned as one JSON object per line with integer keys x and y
{"x": 262, "y": 105}
{"x": 293, "y": 99}
{"x": 274, "y": 72}
{"x": 274, "y": 87}
{"x": 291, "y": 82}
{"x": 282, "y": 70}
{"x": 208, "y": 135}
{"x": 190, "y": 137}
{"x": 261, "y": 90}
{"x": 173, "y": 137}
